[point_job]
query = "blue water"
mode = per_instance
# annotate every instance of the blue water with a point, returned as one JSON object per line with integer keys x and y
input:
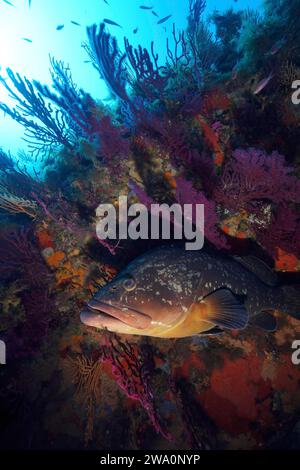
{"x": 38, "y": 23}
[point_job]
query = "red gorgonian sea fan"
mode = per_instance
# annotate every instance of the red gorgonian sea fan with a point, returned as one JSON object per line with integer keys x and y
{"x": 131, "y": 375}
{"x": 186, "y": 194}
{"x": 20, "y": 257}
{"x": 112, "y": 143}
{"x": 282, "y": 232}
{"x": 20, "y": 260}
{"x": 254, "y": 176}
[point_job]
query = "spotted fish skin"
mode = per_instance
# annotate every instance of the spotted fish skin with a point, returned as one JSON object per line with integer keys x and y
{"x": 170, "y": 292}
{"x": 225, "y": 272}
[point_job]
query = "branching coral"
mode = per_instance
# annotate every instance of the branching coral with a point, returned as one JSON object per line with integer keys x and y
{"x": 128, "y": 370}
{"x": 259, "y": 185}
{"x": 271, "y": 34}
{"x": 131, "y": 376}
{"x": 148, "y": 75}
{"x": 281, "y": 233}
{"x": 108, "y": 60}
{"x": 86, "y": 374}
{"x": 203, "y": 49}
{"x": 178, "y": 56}
{"x": 19, "y": 184}
{"x": 77, "y": 105}
{"x": 202, "y": 165}
{"x": 19, "y": 256}
{"x": 288, "y": 73}
{"x": 111, "y": 141}
{"x": 186, "y": 194}
{"x": 174, "y": 135}
{"x": 265, "y": 187}
{"x": 16, "y": 182}
{"x": 254, "y": 176}
{"x": 6, "y": 161}
{"x": 16, "y": 205}
{"x": 45, "y": 127}
{"x": 196, "y": 9}
{"x": 228, "y": 26}
{"x": 173, "y": 128}
{"x": 21, "y": 260}
{"x": 139, "y": 68}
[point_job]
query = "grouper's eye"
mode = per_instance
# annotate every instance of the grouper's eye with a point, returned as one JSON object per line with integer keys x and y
{"x": 129, "y": 283}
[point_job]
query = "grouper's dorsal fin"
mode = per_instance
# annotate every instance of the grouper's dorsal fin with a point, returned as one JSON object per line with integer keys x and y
{"x": 223, "y": 309}
{"x": 259, "y": 268}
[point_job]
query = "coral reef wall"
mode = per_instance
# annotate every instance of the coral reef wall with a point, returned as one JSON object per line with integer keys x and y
{"x": 215, "y": 125}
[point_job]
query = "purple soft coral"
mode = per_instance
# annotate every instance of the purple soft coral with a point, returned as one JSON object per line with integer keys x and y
{"x": 186, "y": 194}
{"x": 108, "y": 60}
{"x": 21, "y": 260}
{"x": 131, "y": 376}
{"x": 282, "y": 232}
{"x": 253, "y": 175}
{"x": 265, "y": 187}
{"x": 19, "y": 256}
{"x": 112, "y": 143}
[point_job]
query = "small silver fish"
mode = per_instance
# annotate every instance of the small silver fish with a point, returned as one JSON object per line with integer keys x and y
{"x": 27, "y": 39}
{"x": 60, "y": 27}
{"x": 154, "y": 13}
{"x": 75, "y": 23}
{"x": 173, "y": 293}
{"x": 113, "y": 23}
{"x": 135, "y": 30}
{"x": 163, "y": 20}
{"x": 145, "y": 8}
{"x": 262, "y": 84}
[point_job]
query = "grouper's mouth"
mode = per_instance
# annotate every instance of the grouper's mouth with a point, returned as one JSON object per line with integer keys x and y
{"x": 100, "y": 314}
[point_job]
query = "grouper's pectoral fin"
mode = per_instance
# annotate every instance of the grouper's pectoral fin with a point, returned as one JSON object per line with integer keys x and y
{"x": 212, "y": 332}
{"x": 223, "y": 309}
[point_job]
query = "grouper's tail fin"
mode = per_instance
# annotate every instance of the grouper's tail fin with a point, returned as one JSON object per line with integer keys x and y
{"x": 291, "y": 301}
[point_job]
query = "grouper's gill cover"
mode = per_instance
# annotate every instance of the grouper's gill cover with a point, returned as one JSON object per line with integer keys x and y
{"x": 170, "y": 292}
